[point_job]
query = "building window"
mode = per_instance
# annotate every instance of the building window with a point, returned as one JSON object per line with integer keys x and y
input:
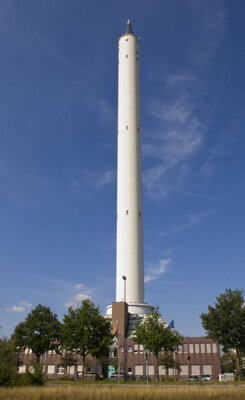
{"x": 60, "y": 369}
{"x": 51, "y": 369}
{"x": 196, "y": 350}
{"x": 136, "y": 348}
{"x": 195, "y": 369}
{"x": 207, "y": 369}
{"x": 150, "y": 369}
{"x": 191, "y": 348}
{"x": 183, "y": 369}
{"x": 161, "y": 370}
{"x": 180, "y": 348}
{"x": 130, "y": 371}
{"x": 111, "y": 354}
{"x": 71, "y": 370}
{"x": 138, "y": 369}
{"x": 171, "y": 371}
{"x": 141, "y": 349}
{"x": 202, "y": 347}
{"x": 79, "y": 368}
{"x": 130, "y": 348}
{"x": 214, "y": 347}
{"x": 185, "y": 348}
{"x": 122, "y": 349}
{"x": 22, "y": 369}
{"x": 208, "y": 345}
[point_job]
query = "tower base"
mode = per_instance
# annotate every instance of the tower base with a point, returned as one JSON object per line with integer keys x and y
{"x": 134, "y": 308}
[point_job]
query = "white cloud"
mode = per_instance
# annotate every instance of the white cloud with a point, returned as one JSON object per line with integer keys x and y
{"x": 81, "y": 297}
{"x": 156, "y": 270}
{"x": 193, "y": 219}
{"x": 178, "y": 136}
{"x": 25, "y": 304}
{"x": 88, "y": 181}
{"x": 78, "y": 298}
{"x": 105, "y": 110}
{"x": 22, "y": 307}
{"x": 79, "y": 286}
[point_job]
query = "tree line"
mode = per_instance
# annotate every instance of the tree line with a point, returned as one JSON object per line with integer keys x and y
{"x": 84, "y": 331}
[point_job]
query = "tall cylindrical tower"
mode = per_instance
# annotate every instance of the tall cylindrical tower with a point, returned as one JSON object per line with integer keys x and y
{"x": 130, "y": 260}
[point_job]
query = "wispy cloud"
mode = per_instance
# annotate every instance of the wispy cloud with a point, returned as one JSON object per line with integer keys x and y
{"x": 77, "y": 298}
{"x": 20, "y": 308}
{"x": 193, "y": 219}
{"x": 52, "y": 49}
{"x": 155, "y": 270}
{"x": 87, "y": 181}
{"x": 106, "y": 111}
{"x": 212, "y": 32}
{"x": 178, "y": 136}
{"x": 180, "y": 117}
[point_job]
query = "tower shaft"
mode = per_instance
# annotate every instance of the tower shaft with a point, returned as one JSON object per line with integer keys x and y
{"x": 130, "y": 260}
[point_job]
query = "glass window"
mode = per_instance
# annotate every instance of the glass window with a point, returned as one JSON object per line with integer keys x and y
{"x": 185, "y": 348}
{"x": 191, "y": 348}
{"x": 208, "y": 345}
{"x": 195, "y": 369}
{"x": 60, "y": 369}
{"x": 51, "y": 369}
{"x": 202, "y": 347}
{"x": 150, "y": 369}
{"x": 196, "y": 350}
{"x": 130, "y": 348}
{"x": 180, "y": 348}
{"x": 141, "y": 348}
{"x": 22, "y": 369}
{"x": 214, "y": 347}
{"x": 184, "y": 370}
{"x": 138, "y": 369}
{"x": 207, "y": 369}
{"x": 161, "y": 370}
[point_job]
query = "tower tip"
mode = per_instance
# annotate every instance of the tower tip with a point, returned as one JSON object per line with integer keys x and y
{"x": 129, "y": 27}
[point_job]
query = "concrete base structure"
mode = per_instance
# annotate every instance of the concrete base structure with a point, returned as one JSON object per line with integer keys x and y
{"x": 134, "y": 309}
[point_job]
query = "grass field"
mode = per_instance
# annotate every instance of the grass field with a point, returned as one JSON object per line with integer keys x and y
{"x": 87, "y": 392}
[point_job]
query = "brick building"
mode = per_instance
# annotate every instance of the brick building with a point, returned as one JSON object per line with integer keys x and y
{"x": 196, "y": 355}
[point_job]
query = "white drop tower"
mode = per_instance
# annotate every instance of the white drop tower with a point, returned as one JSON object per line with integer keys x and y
{"x": 130, "y": 257}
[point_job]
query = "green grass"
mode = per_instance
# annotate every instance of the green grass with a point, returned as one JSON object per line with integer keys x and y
{"x": 112, "y": 392}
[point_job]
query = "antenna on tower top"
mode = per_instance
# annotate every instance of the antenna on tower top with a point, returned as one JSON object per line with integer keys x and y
{"x": 129, "y": 27}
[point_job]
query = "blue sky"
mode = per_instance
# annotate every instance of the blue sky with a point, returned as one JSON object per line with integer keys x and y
{"x": 58, "y": 138}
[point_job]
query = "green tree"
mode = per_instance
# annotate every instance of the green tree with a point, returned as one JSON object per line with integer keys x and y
{"x": 68, "y": 360}
{"x": 225, "y": 322}
{"x": 155, "y": 335}
{"x": 229, "y": 363}
{"x": 168, "y": 361}
{"x": 85, "y": 331}
{"x": 8, "y": 362}
{"x": 40, "y": 332}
